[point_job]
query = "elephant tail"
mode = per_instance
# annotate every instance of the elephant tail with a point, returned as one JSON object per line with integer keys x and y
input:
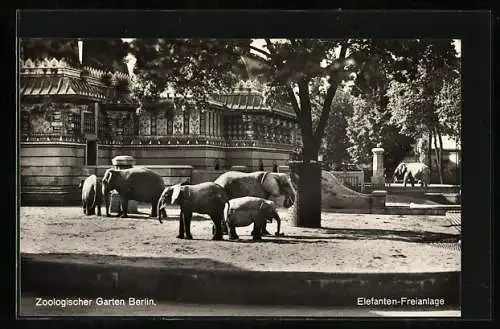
{"x": 159, "y": 210}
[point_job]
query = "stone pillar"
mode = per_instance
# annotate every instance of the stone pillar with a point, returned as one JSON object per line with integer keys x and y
{"x": 122, "y": 162}
{"x": 96, "y": 117}
{"x": 378, "y": 178}
{"x": 378, "y": 199}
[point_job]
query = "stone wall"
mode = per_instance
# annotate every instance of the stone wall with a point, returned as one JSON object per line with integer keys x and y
{"x": 201, "y": 176}
{"x": 50, "y": 172}
{"x": 352, "y": 179}
{"x": 198, "y": 156}
{"x": 251, "y": 157}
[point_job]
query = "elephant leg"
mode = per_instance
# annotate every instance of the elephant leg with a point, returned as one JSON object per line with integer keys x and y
{"x": 264, "y": 230}
{"x": 187, "y": 224}
{"x": 181, "y": 226}
{"x": 120, "y": 208}
{"x": 124, "y": 206}
{"x": 217, "y": 233}
{"x": 406, "y": 177}
{"x": 106, "y": 204}
{"x": 232, "y": 233}
{"x": 154, "y": 208}
{"x": 98, "y": 210}
{"x": 224, "y": 228}
{"x": 84, "y": 207}
{"x": 88, "y": 208}
{"x": 257, "y": 232}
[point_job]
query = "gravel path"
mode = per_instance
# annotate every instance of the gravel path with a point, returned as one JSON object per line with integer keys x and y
{"x": 345, "y": 243}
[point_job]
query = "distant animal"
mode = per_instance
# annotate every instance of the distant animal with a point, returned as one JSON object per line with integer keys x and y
{"x": 260, "y": 184}
{"x": 244, "y": 211}
{"x": 412, "y": 172}
{"x": 136, "y": 183}
{"x": 205, "y": 198}
{"x": 91, "y": 195}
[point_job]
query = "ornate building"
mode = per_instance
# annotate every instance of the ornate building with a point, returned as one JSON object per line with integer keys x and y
{"x": 72, "y": 118}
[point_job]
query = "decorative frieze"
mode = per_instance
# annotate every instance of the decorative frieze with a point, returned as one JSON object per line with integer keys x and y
{"x": 178, "y": 123}
{"x": 53, "y": 65}
{"x": 121, "y": 123}
{"x": 194, "y": 122}
{"x": 145, "y": 124}
{"x": 50, "y": 118}
{"x": 161, "y": 125}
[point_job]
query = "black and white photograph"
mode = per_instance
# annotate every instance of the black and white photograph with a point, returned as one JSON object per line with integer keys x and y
{"x": 272, "y": 177}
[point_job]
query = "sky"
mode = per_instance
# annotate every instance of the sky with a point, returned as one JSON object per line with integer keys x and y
{"x": 258, "y": 43}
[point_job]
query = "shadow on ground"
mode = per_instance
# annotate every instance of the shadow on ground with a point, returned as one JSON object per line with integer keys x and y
{"x": 143, "y": 215}
{"x": 139, "y": 262}
{"x": 376, "y": 234}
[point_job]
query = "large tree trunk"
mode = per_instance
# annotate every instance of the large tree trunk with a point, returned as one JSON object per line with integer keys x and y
{"x": 438, "y": 157}
{"x": 306, "y": 176}
{"x": 440, "y": 140}
{"x": 429, "y": 150}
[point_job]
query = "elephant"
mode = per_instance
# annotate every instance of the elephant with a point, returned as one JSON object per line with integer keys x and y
{"x": 91, "y": 195}
{"x": 260, "y": 184}
{"x": 413, "y": 172}
{"x": 136, "y": 183}
{"x": 244, "y": 211}
{"x": 205, "y": 198}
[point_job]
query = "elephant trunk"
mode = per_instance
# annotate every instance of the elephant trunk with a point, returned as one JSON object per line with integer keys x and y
{"x": 278, "y": 222}
{"x": 160, "y": 210}
{"x": 288, "y": 201}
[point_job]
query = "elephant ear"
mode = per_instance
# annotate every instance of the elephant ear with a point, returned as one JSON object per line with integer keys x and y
{"x": 176, "y": 192}
{"x": 271, "y": 184}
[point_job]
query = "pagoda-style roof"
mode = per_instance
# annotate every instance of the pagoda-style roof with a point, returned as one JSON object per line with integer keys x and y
{"x": 59, "y": 86}
{"x": 55, "y": 78}
{"x": 248, "y": 100}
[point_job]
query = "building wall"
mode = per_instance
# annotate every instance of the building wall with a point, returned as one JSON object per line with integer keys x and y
{"x": 50, "y": 172}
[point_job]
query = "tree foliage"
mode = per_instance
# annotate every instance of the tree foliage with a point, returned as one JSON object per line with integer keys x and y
{"x": 194, "y": 68}
{"x": 336, "y": 137}
{"x": 104, "y": 54}
{"x": 39, "y": 48}
{"x": 430, "y": 102}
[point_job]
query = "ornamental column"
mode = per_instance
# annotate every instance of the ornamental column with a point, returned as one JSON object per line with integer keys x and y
{"x": 378, "y": 178}
{"x": 248, "y": 127}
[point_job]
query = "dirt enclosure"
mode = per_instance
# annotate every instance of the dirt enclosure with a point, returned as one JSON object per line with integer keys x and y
{"x": 345, "y": 243}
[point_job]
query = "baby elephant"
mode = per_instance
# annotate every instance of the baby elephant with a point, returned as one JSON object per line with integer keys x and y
{"x": 244, "y": 211}
{"x": 91, "y": 195}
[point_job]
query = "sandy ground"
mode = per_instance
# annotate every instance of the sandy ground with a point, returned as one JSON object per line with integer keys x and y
{"x": 345, "y": 243}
